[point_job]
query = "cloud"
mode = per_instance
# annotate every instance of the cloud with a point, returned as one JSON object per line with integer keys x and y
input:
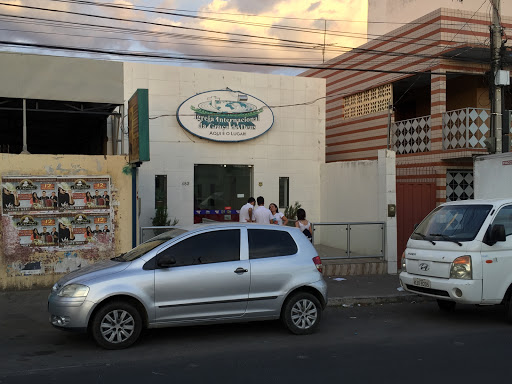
{"x": 314, "y": 6}
{"x": 265, "y": 38}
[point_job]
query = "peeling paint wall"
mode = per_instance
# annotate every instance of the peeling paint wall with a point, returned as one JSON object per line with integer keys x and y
{"x": 49, "y": 263}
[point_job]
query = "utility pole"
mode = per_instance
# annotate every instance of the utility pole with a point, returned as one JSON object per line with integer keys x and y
{"x": 496, "y": 113}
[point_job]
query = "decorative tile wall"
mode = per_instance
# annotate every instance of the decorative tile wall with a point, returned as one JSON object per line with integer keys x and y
{"x": 466, "y": 128}
{"x": 412, "y": 136}
{"x": 459, "y": 185}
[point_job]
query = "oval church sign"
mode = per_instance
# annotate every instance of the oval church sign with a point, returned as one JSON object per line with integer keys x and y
{"x": 225, "y": 115}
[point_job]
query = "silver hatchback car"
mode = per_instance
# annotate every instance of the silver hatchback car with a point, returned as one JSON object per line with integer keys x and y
{"x": 203, "y": 274}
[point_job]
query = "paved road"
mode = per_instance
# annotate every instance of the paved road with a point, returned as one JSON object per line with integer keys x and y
{"x": 408, "y": 342}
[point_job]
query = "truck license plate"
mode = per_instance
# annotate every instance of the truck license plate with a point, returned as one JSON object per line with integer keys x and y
{"x": 421, "y": 282}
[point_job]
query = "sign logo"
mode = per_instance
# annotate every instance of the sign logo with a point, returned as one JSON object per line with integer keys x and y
{"x": 80, "y": 185}
{"x": 26, "y": 185}
{"x": 26, "y": 221}
{"x": 80, "y": 219}
{"x": 424, "y": 266}
{"x": 225, "y": 115}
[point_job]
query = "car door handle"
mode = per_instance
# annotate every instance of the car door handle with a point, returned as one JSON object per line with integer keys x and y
{"x": 241, "y": 270}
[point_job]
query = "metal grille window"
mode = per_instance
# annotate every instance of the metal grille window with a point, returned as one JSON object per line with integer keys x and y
{"x": 160, "y": 191}
{"x": 284, "y": 192}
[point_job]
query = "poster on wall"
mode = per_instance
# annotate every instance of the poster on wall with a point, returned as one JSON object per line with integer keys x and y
{"x": 63, "y": 229}
{"x": 54, "y": 194}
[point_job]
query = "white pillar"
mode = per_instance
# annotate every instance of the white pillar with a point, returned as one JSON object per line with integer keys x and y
{"x": 387, "y": 196}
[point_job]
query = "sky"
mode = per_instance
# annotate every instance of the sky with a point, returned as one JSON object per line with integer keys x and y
{"x": 201, "y": 33}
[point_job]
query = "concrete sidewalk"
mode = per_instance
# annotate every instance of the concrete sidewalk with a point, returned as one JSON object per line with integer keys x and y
{"x": 347, "y": 291}
{"x": 368, "y": 290}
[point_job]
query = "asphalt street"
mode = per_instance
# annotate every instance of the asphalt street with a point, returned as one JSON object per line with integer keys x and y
{"x": 399, "y": 343}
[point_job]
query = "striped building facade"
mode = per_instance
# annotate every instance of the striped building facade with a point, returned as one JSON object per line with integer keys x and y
{"x": 434, "y": 73}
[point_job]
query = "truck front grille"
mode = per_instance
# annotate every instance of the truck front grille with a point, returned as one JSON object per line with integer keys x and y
{"x": 430, "y": 291}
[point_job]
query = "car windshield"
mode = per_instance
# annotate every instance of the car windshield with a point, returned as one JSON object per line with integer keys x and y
{"x": 452, "y": 223}
{"x": 147, "y": 246}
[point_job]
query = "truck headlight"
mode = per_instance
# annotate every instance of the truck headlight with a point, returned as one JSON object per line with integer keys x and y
{"x": 74, "y": 290}
{"x": 404, "y": 266}
{"x": 461, "y": 268}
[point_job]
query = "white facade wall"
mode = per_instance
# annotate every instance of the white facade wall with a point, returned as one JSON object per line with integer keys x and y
{"x": 294, "y": 147}
{"x": 383, "y": 15}
{"x": 360, "y": 191}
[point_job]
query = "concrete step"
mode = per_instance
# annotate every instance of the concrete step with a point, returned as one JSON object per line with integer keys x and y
{"x": 354, "y": 267}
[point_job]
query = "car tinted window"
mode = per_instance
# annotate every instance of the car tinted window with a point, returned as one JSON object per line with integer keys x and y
{"x": 204, "y": 248}
{"x": 504, "y": 217}
{"x": 270, "y": 243}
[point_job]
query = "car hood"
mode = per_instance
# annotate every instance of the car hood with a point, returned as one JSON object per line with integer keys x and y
{"x": 101, "y": 268}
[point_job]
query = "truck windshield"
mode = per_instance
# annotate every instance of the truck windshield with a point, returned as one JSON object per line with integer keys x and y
{"x": 452, "y": 223}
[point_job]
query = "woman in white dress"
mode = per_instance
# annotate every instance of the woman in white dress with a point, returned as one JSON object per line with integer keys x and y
{"x": 277, "y": 217}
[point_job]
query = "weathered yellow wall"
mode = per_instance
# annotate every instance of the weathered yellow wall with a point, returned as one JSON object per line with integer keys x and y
{"x": 70, "y": 165}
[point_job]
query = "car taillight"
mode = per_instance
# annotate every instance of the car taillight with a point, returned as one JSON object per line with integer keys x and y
{"x": 318, "y": 263}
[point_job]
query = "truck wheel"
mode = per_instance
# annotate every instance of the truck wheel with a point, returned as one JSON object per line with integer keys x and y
{"x": 116, "y": 325}
{"x": 508, "y": 309}
{"x": 302, "y": 313}
{"x": 446, "y": 306}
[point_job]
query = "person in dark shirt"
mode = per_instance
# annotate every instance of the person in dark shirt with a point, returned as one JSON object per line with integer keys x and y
{"x": 64, "y": 196}
{"x": 54, "y": 199}
{"x": 9, "y": 196}
{"x": 106, "y": 197}
{"x": 97, "y": 229}
{"x": 55, "y": 235}
{"x": 65, "y": 232}
{"x": 105, "y": 229}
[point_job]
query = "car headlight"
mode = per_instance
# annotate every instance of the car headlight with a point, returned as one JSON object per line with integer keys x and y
{"x": 404, "y": 266}
{"x": 74, "y": 290}
{"x": 461, "y": 268}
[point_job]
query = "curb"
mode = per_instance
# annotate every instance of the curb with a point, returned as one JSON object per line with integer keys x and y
{"x": 375, "y": 300}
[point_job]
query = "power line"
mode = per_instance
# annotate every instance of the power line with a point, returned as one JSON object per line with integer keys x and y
{"x": 341, "y": 49}
{"x": 199, "y": 59}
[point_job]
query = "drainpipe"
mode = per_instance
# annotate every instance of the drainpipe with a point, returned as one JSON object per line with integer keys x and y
{"x": 134, "y": 206}
{"x": 390, "y": 108}
{"x": 25, "y": 150}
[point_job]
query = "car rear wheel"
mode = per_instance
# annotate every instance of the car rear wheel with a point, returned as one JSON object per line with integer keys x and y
{"x": 116, "y": 325}
{"x": 302, "y": 313}
{"x": 446, "y": 306}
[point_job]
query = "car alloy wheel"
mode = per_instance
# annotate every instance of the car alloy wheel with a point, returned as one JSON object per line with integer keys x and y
{"x": 304, "y": 314}
{"x": 116, "y": 325}
{"x": 301, "y": 313}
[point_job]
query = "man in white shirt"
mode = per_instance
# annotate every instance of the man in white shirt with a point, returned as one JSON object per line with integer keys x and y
{"x": 262, "y": 214}
{"x": 246, "y": 212}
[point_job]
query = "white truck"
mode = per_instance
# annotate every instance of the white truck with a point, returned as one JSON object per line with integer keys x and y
{"x": 462, "y": 251}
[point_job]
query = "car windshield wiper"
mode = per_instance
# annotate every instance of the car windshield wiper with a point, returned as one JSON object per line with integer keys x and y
{"x": 447, "y": 238}
{"x": 423, "y": 237}
{"x": 119, "y": 258}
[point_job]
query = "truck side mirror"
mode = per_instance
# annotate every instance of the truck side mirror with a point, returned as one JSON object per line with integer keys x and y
{"x": 494, "y": 234}
{"x": 498, "y": 233}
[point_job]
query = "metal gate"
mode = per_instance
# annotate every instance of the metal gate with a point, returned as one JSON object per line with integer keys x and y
{"x": 413, "y": 202}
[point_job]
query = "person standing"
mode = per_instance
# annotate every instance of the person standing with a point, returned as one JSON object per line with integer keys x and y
{"x": 277, "y": 217}
{"x": 9, "y": 196}
{"x": 246, "y": 212}
{"x": 303, "y": 224}
{"x": 262, "y": 214}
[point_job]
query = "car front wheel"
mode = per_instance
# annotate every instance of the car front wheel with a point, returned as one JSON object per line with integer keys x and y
{"x": 116, "y": 325}
{"x": 302, "y": 313}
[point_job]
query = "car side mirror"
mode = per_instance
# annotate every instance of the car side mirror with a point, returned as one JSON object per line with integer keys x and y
{"x": 165, "y": 261}
{"x": 495, "y": 233}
